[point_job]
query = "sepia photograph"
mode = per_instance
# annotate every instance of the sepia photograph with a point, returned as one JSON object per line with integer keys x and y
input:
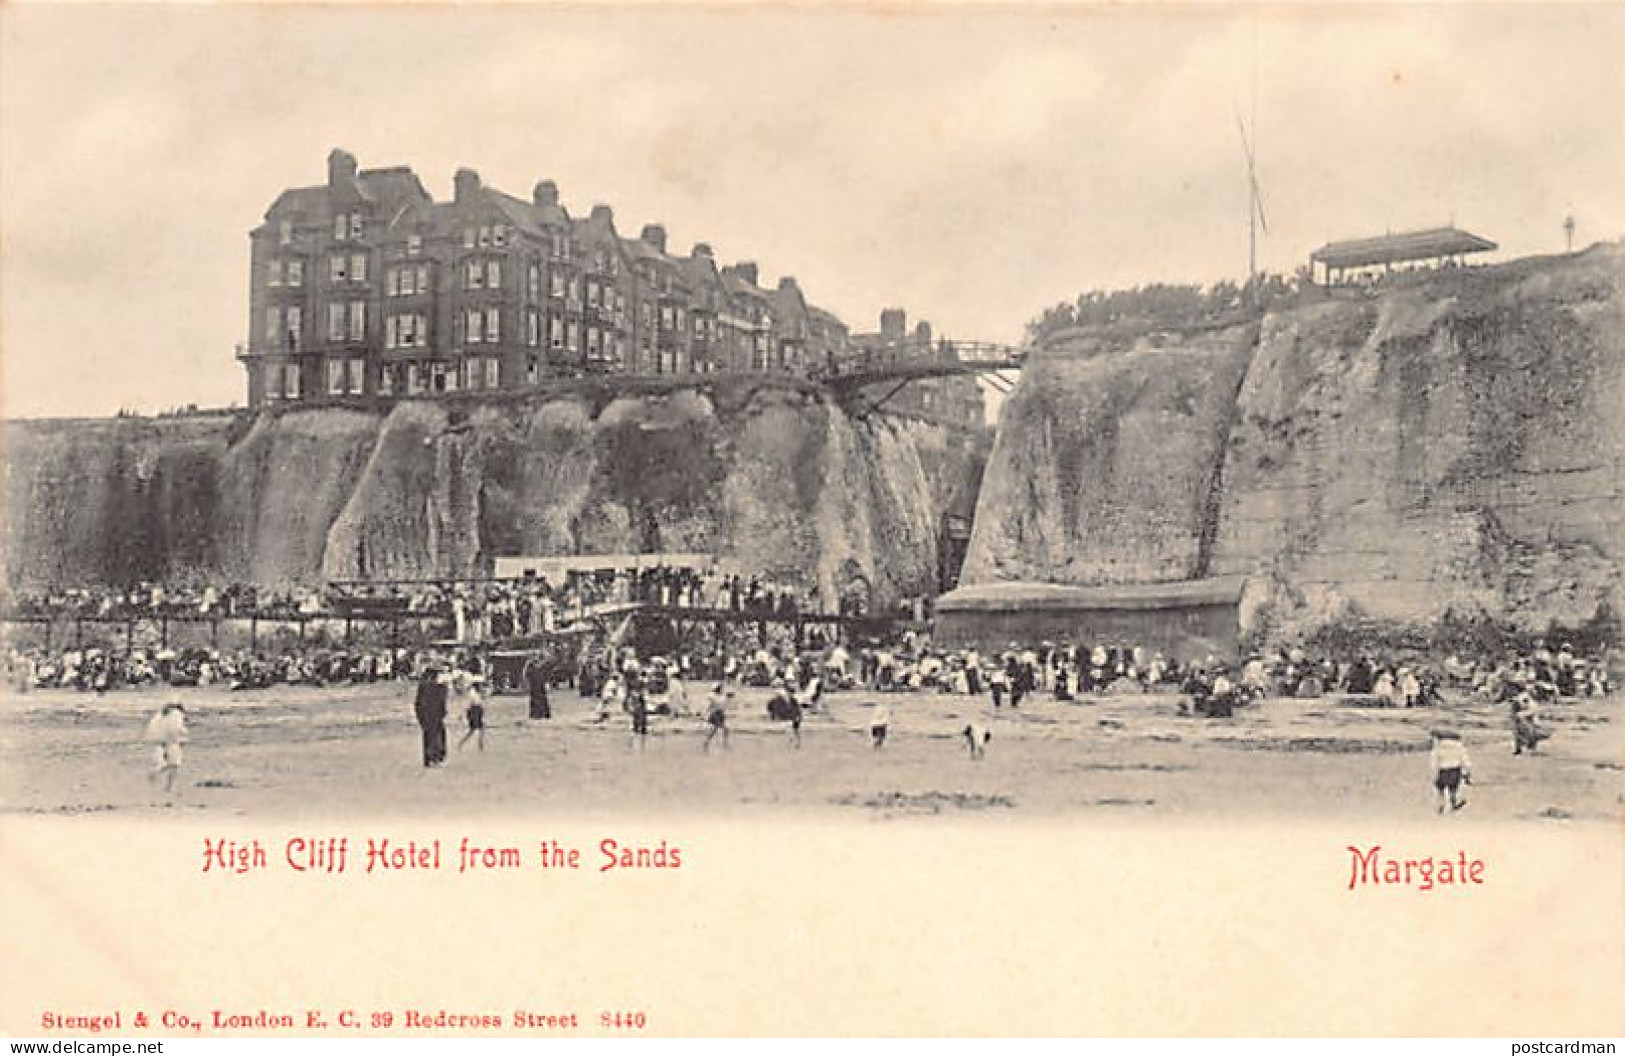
{"x": 588, "y": 520}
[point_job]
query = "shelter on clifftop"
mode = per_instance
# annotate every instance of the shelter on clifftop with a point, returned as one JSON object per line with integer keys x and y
{"x": 1189, "y": 619}
{"x": 1341, "y": 261}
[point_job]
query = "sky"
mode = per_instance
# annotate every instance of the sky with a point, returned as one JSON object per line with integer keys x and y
{"x": 971, "y": 164}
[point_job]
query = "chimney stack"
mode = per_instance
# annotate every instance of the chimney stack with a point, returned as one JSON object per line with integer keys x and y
{"x": 787, "y": 284}
{"x": 922, "y": 332}
{"x": 546, "y": 193}
{"x": 340, "y": 167}
{"x": 603, "y": 214}
{"x": 702, "y": 249}
{"x": 654, "y": 235}
{"x": 465, "y": 185}
{"x": 746, "y": 269}
{"x": 893, "y": 324}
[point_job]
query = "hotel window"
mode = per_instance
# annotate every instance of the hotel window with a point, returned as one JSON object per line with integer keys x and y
{"x": 338, "y": 267}
{"x": 421, "y": 327}
{"x": 493, "y": 372}
{"x": 414, "y": 245}
{"x": 592, "y": 342}
{"x": 493, "y": 324}
{"x": 355, "y": 225}
{"x": 273, "y": 273}
{"x": 358, "y": 268}
{"x": 468, "y": 238}
{"x": 678, "y": 315}
{"x": 335, "y": 377}
{"x": 485, "y": 237}
{"x": 292, "y": 386}
{"x": 392, "y": 282}
{"x": 572, "y": 336}
{"x": 358, "y": 320}
{"x": 335, "y": 322}
{"x": 423, "y": 278}
{"x": 555, "y": 331}
{"x": 392, "y": 331}
{"x": 499, "y": 235}
{"x": 386, "y": 381}
{"x": 473, "y": 332}
{"x": 593, "y": 294}
{"x": 532, "y": 371}
{"x": 493, "y": 274}
{"x": 533, "y": 283}
{"x": 273, "y": 324}
{"x": 295, "y": 324}
{"x": 357, "y": 375}
{"x": 473, "y": 276}
{"x": 285, "y": 232}
{"x": 414, "y": 379}
{"x": 296, "y": 273}
{"x": 341, "y": 228}
{"x": 573, "y": 291}
{"x": 533, "y": 328}
{"x": 555, "y": 283}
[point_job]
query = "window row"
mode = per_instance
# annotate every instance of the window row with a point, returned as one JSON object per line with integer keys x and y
{"x": 413, "y": 379}
{"x": 407, "y": 279}
{"x": 279, "y": 272}
{"x": 347, "y": 268}
{"x": 349, "y": 226}
{"x": 409, "y": 330}
{"x": 346, "y": 377}
{"x": 347, "y": 321}
{"x": 282, "y": 325}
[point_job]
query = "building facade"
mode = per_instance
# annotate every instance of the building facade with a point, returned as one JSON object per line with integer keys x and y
{"x": 365, "y": 286}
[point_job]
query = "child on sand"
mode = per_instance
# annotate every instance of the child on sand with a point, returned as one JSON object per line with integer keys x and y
{"x": 474, "y": 713}
{"x": 1451, "y": 768}
{"x": 878, "y": 724}
{"x": 166, "y": 732}
{"x": 716, "y": 716}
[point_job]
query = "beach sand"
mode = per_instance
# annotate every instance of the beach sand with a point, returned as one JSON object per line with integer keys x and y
{"x": 294, "y": 752}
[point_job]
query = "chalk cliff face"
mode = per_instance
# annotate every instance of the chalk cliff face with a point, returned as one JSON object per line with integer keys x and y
{"x": 780, "y": 480}
{"x": 1457, "y": 445}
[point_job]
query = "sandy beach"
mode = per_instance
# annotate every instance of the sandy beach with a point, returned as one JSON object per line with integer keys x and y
{"x": 295, "y": 752}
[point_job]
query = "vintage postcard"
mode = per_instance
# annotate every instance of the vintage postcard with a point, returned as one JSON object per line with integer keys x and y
{"x": 562, "y": 521}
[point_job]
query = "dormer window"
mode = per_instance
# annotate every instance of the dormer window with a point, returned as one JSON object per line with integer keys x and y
{"x": 341, "y": 228}
{"x": 296, "y": 273}
{"x": 285, "y": 232}
{"x": 499, "y": 235}
{"x": 485, "y": 237}
{"x": 273, "y": 273}
{"x": 414, "y": 245}
{"x": 355, "y": 225}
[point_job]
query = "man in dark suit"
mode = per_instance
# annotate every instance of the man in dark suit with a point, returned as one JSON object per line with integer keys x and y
{"x": 431, "y": 713}
{"x": 536, "y": 675}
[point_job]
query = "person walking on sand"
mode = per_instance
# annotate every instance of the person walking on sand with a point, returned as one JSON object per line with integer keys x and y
{"x": 430, "y": 706}
{"x": 879, "y": 723}
{"x": 474, "y": 713}
{"x": 716, "y": 716}
{"x": 166, "y": 732}
{"x": 535, "y": 677}
{"x": 1451, "y": 768}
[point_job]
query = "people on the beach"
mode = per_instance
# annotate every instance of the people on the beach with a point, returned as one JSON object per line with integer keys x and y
{"x": 166, "y": 732}
{"x": 879, "y": 724}
{"x": 474, "y": 710}
{"x": 716, "y": 716}
{"x": 430, "y": 706}
{"x": 1451, "y": 768}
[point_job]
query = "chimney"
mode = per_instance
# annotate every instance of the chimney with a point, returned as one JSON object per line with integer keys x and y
{"x": 922, "y": 332}
{"x": 702, "y": 249}
{"x": 546, "y": 193}
{"x": 893, "y": 324}
{"x": 603, "y": 214}
{"x": 746, "y": 269}
{"x": 787, "y": 284}
{"x": 465, "y": 185}
{"x": 340, "y": 167}
{"x": 654, "y": 235}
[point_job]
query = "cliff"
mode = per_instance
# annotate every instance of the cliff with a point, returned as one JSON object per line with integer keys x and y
{"x": 779, "y": 480}
{"x": 1450, "y": 445}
